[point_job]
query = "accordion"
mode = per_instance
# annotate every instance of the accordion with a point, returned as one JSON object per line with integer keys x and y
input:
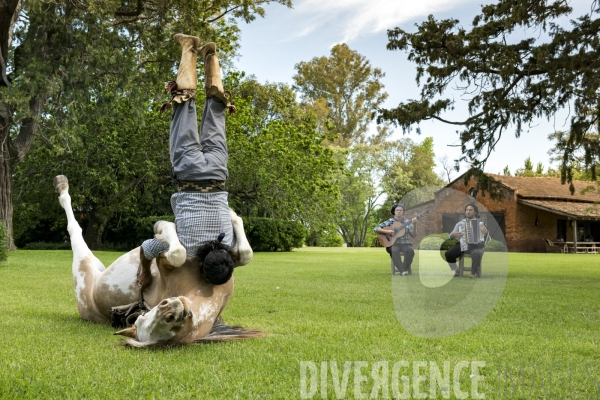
{"x": 471, "y": 233}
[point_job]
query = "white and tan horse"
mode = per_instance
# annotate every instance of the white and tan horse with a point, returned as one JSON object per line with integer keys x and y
{"x": 184, "y": 306}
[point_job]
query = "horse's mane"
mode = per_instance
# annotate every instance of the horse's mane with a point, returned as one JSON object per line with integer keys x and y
{"x": 220, "y": 332}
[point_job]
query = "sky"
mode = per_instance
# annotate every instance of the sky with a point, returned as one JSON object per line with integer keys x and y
{"x": 272, "y": 46}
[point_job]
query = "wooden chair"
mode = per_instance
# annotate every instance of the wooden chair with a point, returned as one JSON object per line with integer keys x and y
{"x": 462, "y": 268}
{"x": 552, "y": 248}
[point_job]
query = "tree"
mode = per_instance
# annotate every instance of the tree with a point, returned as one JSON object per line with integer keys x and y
{"x": 583, "y": 161}
{"x": 447, "y": 168}
{"x": 118, "y": 164}
{"x": 58, "y": 52}
{"x": 342, "y": 90}
{"x": 408, "y": 166}
{"x": 271, "y": 102}
{"x": 376, "y": 169}
{"x": 360, "y": 187}
{"x": 509, "y": 82}
{"x": 527, "y": 169}
{"x": 345, "y": 88}
{"x": 539, "y": 169}
{"x": 279, "y": 166}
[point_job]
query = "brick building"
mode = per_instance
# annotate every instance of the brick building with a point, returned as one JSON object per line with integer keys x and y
{"x": 530, "y": 210}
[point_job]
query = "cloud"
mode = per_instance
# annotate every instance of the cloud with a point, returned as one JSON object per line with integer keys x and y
{"x": 356, "y": 17}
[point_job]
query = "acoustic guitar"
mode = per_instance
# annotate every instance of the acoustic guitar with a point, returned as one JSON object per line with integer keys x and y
{"x": 399, "y": 230}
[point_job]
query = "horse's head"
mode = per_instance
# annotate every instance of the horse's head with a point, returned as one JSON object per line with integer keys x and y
{"x": 167, "y": 323}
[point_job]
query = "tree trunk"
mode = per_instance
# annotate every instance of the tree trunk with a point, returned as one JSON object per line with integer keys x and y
{"x": 12, "y": 153}
{"x": 94, "y": 231}
{"x": 8, "y": 11}
{"x": 6, "y": 205}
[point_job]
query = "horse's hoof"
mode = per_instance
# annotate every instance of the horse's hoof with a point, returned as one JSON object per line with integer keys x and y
{"x": 177, "y": 256}
{"x": 158, "y": 227}
{"x": 61, "y": 183}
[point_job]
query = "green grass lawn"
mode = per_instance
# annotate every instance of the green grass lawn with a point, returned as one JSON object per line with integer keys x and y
{"x": 331, "y": 305}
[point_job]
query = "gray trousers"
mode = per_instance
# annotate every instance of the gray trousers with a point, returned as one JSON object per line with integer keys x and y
{"x": 204, "y": 157}
{"x": 475, "y": 250}
{"x": 395, "y": 250}
{"x": 197, "y": 158}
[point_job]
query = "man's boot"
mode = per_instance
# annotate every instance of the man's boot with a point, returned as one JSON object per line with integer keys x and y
{"x": 212, "y": 75}
{"x": 187, "y": 76}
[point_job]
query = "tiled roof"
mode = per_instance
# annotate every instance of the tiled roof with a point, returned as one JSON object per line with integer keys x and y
{"x": 570, "y": 208}
{"x": 548, "y": 188}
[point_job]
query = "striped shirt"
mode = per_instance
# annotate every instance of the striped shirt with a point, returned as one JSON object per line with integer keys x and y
{"x": 199, "y": 218}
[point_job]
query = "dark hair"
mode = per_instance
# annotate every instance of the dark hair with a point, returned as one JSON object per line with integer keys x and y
{"x": 474, "y": 208}
{"x": 397, "y": 205}
{"x": 216, "y": 264}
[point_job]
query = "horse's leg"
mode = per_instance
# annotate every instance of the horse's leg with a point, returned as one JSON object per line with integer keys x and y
{"x": 165, "y": 242}
{"x": 242, "y": 251}
{"x": 86, "y": 267}
{"x": 144, "y": 278}
{"x": 166, "y": 233}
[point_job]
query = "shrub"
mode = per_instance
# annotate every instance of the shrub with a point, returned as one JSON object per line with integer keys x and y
{"x": 324, "y": 239}
{"x": 3, "y": 243}
{"x": 437, "y": 242}
{"x": 41, "y": 229}
{"x": 129, "y": 232}
{"x": 495, "y": 245}
{"x": 267, "y": 234}
{"x": 47, "y": 246}
{"x": 330, "y": 239}
{"x": 121, "y": 234}
{"x": 442, "y": 242}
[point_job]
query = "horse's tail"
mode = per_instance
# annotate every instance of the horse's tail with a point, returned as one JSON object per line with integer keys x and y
{"x": 221, "y": 332}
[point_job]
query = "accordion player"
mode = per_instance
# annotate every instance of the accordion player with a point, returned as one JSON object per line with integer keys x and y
{"x": 472, "y": 235}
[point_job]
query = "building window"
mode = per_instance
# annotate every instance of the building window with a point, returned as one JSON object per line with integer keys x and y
{"x": 473, "y": 192}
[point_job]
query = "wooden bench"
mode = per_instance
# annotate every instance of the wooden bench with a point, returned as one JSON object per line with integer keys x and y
{"x": 552, "y": 248}
{"x": 582, "y": 247}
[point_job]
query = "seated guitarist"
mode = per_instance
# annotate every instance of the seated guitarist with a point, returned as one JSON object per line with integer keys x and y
{"x": 401, "y": 244}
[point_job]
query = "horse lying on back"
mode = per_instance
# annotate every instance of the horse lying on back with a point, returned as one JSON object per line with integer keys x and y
{"x": 184, "y": 307}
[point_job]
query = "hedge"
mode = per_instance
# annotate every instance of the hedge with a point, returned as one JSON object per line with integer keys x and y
{"x": 442, "y": 242}
{"x": 264, "y": 234}
{"x": 48, "y": 246}
{"x": 267, "y": 234}
{"x": 130, "y": 232}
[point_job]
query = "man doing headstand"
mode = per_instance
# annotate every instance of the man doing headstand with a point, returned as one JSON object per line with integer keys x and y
{"x": 202, "y": 215}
